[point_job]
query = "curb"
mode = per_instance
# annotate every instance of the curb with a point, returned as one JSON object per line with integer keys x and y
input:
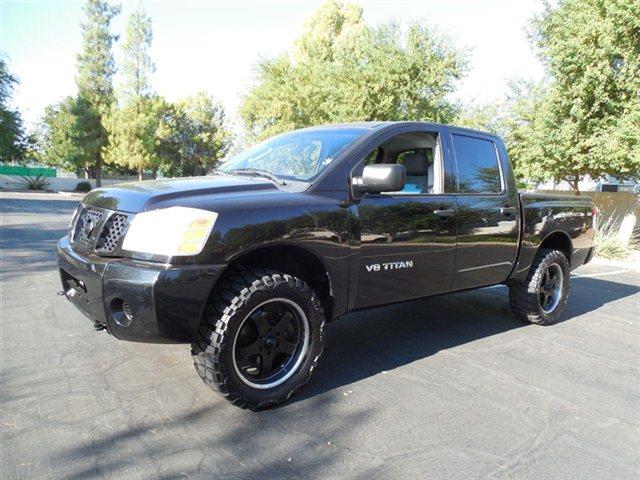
{"x": 40, "y": 193}
{"x": 632, "y": 262}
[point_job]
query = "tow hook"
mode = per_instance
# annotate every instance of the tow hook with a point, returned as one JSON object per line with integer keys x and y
{"x": 61, "y": 292}
{"x": 98, "y": 326}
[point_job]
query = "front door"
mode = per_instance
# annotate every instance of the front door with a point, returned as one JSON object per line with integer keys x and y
{"x": 407, "y": 238}
{"x": 407, "y": 247}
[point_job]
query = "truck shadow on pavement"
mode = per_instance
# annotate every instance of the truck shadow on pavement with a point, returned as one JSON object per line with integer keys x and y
{"x": 214, "y": 442}
{"x": 210, "y": 439}
{"x": 366, "y": 343}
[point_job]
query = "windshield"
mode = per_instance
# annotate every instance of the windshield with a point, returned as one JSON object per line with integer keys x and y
{"x": 298, "y": 155}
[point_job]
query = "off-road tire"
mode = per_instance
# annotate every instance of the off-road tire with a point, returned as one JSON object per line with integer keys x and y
{"x": 524, "y": 297}
{"x": 236, "y": 295}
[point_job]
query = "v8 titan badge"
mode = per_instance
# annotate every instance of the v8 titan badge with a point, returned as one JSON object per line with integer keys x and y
{"x": 379, "y": 267}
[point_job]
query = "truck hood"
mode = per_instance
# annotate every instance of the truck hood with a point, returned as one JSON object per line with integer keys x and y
{"x": 137, "y": 197}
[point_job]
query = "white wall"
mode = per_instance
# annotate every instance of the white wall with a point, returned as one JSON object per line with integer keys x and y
{"x": 12, "y": 182}
{"x": 586, "y": 185}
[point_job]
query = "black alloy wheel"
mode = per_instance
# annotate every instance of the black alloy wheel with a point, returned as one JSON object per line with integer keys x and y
{"x": 551, "y": 288}
{"x": 271, "y": 343}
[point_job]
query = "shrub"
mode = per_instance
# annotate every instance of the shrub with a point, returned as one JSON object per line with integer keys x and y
{"x": 35, "y": 183}
{"x": 607, "y": 239}
{"x": 83, "y": 186}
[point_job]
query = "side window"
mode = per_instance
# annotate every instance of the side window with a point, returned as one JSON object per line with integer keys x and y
{"x": 373, "y": 157}
{"x": 427, "y": 152}
{"x": 478, "y": 170}
{"x": 417, "y": 152}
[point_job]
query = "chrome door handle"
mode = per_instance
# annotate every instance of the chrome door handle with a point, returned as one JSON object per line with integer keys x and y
{"x": 507, "y": 210}
{"x": 445, "y": 213}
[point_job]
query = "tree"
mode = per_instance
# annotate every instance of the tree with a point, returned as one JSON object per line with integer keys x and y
{"x": 13, "y": 141}
{"x": 68, "y": 135}
{"x": 136, "y": 132}
{"x": 198, "y": 135}
{"x": 487, "y": 117}
{"x": 96, "y": 68}
{"x": 344, "y": 70}
{"x": 584, "y": 120}
{"x": 131, "y": 126}
{"x": 136, "y": 64}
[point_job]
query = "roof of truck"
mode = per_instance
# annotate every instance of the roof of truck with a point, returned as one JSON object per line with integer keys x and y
{"x": 375, "y": 124}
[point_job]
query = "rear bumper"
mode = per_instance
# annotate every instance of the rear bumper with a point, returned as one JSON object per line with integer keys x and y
{"x": 135, "y": 300}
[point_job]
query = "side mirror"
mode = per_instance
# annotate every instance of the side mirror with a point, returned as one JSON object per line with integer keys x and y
{"x": 380, "y": 178}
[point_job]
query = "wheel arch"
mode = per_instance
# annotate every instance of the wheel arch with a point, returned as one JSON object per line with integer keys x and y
{"x": 295, "y": 260}
{"x": 558, "y": 240}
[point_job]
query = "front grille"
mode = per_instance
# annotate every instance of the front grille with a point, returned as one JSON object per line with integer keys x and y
{"x": 99, "y": 230}
{"x": 88, "y": 222}
{"x": 111, "y": 233}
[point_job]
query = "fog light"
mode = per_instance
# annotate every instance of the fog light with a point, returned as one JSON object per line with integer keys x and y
{"x": 126, "y": 309}
{"x": 121, "y": 312}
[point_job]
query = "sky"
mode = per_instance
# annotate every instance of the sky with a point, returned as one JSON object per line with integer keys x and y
{"x": 213, "y": 46}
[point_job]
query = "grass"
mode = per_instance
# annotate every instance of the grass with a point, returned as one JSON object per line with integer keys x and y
{"x": 608, "y": 242}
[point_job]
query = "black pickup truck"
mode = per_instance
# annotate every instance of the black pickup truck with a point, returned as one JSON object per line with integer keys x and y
{"x": 249, "y": 263}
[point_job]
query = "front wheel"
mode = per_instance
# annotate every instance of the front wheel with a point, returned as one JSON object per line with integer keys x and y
{"x": 541, "y": 298}
{"x": 261, "y": 337}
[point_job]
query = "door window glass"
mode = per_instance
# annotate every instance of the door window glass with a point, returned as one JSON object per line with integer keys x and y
{"x": 478, "y": 170}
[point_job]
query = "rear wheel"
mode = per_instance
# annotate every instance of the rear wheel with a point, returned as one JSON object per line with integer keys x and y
{"x": 541, "y": 298}
{"x": 261, "y": 337}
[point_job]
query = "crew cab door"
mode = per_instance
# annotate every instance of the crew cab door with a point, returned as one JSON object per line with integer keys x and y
{"x": 488, "y": 210}
{"x": 407, "y": 238}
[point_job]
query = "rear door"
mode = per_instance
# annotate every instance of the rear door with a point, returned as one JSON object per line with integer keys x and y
{"x": 488, "y": 214}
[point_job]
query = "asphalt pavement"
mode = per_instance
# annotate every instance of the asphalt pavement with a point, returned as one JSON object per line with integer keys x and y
{"x": 448, "y": 387}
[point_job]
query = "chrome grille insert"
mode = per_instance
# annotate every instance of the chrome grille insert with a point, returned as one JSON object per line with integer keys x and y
{"x": 111, "y": 233}
{"x": 99, "y": 230}
{"x": 88, "y": 223}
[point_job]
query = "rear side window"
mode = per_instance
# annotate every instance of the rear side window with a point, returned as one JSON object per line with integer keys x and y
{"x": 478, "y": 170}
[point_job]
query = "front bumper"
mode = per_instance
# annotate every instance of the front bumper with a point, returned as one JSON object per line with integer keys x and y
{"x": 136, "y": 300}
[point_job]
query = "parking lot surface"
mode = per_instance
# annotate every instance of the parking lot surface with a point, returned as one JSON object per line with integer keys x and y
{"x": 447, "y": 387}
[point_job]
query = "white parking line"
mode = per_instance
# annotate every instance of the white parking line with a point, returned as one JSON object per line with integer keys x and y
{"x": 600, "y": 274}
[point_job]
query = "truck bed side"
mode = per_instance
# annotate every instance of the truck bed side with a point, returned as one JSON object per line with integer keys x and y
{"x": 564, "y": 222}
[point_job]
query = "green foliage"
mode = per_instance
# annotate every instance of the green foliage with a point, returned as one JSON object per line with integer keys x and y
{"x": 137, "y": 65}
{"x": 13, "y": 141}
{"x": 95, "y": 62}
{"x": 487, "y": 117}
{"x": 96, "y": 68}
{"x": 35, "y": 183}
{"x": 585, "y": 119}
{"x": 344, "y": 70}
{"x": 133, "y": 124}
{"x": 72, "y": 135}
{"x": 83, "y": 186}
{"x": 194, "y": 137}
{"x": 135, "y": 133}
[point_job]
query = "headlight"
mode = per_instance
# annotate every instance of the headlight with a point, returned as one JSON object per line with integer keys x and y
{"x": 174, "y": 231}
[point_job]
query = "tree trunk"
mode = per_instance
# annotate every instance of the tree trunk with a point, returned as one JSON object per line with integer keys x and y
{"x": 573, "y": 182}
{"x": 87, "y": 176}
{"x": 155, "y": 173}
{"x": 98, "y": 169}
{"x": 140, "y": 173}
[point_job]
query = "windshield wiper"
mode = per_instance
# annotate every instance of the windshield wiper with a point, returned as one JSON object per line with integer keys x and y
{"x": 255, "y": 171}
